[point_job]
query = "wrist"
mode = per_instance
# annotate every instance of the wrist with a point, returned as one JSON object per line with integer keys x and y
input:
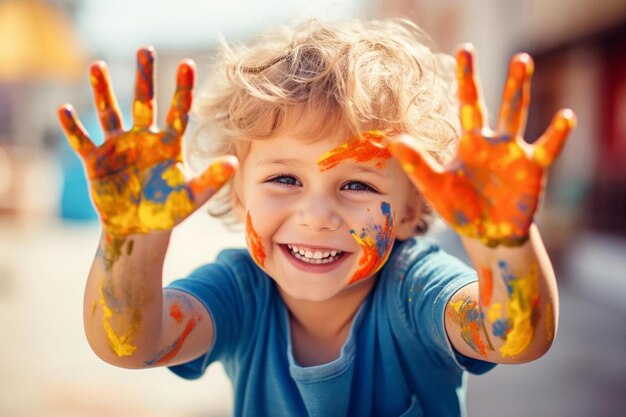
{"x": 494, "y": 235}
{"x": 152, "y": 246}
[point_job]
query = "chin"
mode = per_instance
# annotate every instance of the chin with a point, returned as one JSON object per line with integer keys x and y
{"x": 309, "y": 294}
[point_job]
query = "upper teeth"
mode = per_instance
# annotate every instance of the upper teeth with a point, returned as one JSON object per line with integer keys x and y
{"x": 313, "y": 254}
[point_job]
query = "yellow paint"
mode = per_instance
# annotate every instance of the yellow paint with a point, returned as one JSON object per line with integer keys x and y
{"x": 519, "y": 310}
{"x": 549, "y": 322}
{"x": 495, "y": 312}
{"x": 142, "y": 112}
{"x": 155, "y": 216}
{"x": 121, "y": 345}
{"x": 541, "y": 156}
{"x": 178, "y": 124}
{"x": 122, "y": 216}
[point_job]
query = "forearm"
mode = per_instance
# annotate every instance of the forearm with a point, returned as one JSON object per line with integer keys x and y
{"x": 518, "y": 297}
{"x": 123, "y": 304}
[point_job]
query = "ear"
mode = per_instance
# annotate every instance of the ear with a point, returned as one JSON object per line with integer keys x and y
{"x": 412, "y": 215}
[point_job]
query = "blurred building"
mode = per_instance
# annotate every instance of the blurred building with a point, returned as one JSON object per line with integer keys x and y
{"x": 579, "y": 47}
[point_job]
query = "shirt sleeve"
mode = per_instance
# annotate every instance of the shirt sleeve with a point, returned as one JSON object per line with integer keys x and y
{"x": 221, "y": 288}
{"x": 431, "y": 279}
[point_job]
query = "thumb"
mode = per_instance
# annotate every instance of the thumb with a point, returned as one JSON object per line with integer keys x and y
{"x": 219, "y": 171}
{"x": 423, "y": 170}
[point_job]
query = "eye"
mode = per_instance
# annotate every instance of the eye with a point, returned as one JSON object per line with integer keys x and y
{"x": 358, "y": 186}
{"x": 285, "y": 180}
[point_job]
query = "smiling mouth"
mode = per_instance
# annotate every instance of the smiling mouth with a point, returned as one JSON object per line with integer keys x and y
{"x": 314, "y": 256}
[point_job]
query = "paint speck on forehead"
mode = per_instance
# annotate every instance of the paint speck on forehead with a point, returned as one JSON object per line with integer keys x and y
{"x": 366, "y": 147}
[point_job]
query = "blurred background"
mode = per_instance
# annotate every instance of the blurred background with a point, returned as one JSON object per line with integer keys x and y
{"x": 49, "y": 232}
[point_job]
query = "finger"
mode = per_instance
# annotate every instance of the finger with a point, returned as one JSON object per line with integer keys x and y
{"x": 516, "y": 96}
{"x": 181, "y": 103}
{"x": 549, "y": 145}
{"x": 106, "y": 104}
{"x": 213, "y": 178}
{"x": 75, "y": 132}
{"x": 143, "y": 104}
{"x": 424, "y": 171}
{"x": 471, "y": 104}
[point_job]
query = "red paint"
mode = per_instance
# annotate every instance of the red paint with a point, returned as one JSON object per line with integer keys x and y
{"x": 176, "y": 313}
{"x": 177, "y": 346}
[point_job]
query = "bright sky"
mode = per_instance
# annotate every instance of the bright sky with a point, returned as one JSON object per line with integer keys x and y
{"x": 107, "y": 26}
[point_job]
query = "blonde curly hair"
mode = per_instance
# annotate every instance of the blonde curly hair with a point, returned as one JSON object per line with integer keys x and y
{"x": 357, "y": 76}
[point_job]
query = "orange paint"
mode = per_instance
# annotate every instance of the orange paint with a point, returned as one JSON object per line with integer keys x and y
{"x": 136, "y": 176}
{"x": 368, "y": 260}
{"x": 466, "y": 314}
{"x": 176, "y": 313}
{"x": 368, "y": 146}
{"x": 485, "y": 286}
{"x": 254, "y": 242}
{"x": 376, "y": 245}
{"x": 497, "y": 178}
{"x": 175, "y": 347}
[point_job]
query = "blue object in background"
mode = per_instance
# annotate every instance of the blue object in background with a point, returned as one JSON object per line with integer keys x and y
{"x": 75, "y": 202}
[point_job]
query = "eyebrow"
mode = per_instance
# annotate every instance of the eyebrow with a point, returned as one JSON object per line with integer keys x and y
{"x": 358, "y": 168}
{"x": 279, "y": 161}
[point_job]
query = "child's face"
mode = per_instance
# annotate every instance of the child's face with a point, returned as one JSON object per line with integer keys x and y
{"x": 320, "y": 232}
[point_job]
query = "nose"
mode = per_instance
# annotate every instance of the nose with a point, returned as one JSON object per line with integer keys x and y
{"x": 318, "y": 213}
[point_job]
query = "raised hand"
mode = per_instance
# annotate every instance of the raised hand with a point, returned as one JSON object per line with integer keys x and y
{"x": 136, "y": 176}
{"x": 490, "y": 191}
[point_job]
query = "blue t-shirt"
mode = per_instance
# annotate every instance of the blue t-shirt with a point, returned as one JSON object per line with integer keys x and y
{"x": 397, "y": 360}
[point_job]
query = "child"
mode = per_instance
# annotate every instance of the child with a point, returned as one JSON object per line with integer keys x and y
{"x": 337, "y": 307}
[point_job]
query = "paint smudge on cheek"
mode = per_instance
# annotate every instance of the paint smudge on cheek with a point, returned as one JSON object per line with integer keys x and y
{"x": 466, "y": 314}
{"x": 522, "y": 309}
{"x": 113, "y": 318}
{"x": 368, "y": 146}
{"x": 376, "y": 243}
{"x": 255, "y": 244}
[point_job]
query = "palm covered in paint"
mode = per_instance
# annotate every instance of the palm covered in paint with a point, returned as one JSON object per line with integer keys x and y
{"x": 491, "y": 190}
{"x": 136, "y": 177}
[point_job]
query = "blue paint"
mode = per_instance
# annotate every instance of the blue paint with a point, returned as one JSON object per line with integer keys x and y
{"x": 110, "y": 120}
{"x": 156, "y": 189}
{"x": 507, "y": 276}
{"x": 383, "y": 237}
{"x": 494, "y": 140}
{"x": 165, "y": 351}
{"x": 501, "y": 328}
{"x": 145, "y": 80}
{"x": 460, "y": 218}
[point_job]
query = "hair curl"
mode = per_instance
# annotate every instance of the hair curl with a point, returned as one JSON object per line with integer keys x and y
{"x": 356, "y": 75}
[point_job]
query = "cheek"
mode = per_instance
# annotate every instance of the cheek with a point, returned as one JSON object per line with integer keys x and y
{"x": 255, "y": 243}
{"x": 376, "y": 240}
{"x": 264, "y": 215}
